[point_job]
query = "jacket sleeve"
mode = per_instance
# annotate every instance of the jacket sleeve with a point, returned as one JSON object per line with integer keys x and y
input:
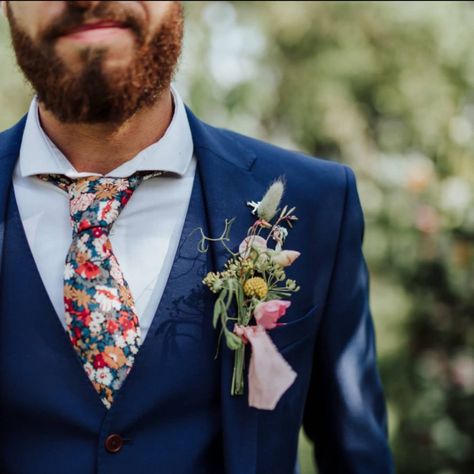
{"x": 345, "y": 413}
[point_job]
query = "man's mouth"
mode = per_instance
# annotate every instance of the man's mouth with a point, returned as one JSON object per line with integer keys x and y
{"x": 94, "y": 31}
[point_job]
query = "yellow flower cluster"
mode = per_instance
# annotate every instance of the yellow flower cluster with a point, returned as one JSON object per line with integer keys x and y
{"x": 256, "y": 286}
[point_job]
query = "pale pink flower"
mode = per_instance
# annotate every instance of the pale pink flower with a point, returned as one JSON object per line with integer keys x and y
{"x": 285, "y": 258}
{"x": 120, "y": 184}
{"x": 115, "y": 271}
{"x": 252, "y": 242}
{"x": 81, "y": 202}
{"x": 268, "y": 313}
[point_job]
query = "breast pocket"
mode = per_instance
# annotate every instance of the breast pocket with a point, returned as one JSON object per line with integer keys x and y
{"x": 296, "y": 330}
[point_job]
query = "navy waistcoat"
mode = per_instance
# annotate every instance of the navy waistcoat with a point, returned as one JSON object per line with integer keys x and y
{"x": 167, "y": 412}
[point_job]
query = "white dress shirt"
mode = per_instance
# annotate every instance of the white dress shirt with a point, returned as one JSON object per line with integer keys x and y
{"x": 146, "y": 234}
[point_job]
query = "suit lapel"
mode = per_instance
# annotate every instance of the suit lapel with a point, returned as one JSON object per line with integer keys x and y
{"x": 228, "y": 182}
{"x": 10, "y": 141}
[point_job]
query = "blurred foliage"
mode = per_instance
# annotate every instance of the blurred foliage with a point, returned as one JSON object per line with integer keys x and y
{"x": 387, "y": 87}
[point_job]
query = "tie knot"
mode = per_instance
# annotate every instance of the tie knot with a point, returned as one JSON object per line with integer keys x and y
{"x": 95, "y": 202}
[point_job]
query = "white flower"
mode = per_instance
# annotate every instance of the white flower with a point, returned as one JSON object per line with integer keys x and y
{"x": 117, "y": 184}
{"x": 103, "y": 376}
{"x": 107, "y": 298}
{"x": 82, "y": 247}
{"x": 254, "y": 205}
{"x": 99, "y": 245}
{"x": 95, "y": 327}
{"x": 97, "y": 317}
{"x": 119, "y": 340}
{"x": 131, "y": 336}
{"x": 68, "y": 271}
{"x": 120, "y": 184}
{"x": 279, "y": 234}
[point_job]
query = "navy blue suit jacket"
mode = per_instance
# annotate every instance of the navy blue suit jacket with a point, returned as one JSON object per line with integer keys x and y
{"x": 329, "y": 335}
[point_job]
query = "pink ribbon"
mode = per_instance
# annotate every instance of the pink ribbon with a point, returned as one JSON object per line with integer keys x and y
{"x": 270, "y": 375}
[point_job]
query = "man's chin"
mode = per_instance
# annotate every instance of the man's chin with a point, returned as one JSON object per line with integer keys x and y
{"x": 77, "y": 54}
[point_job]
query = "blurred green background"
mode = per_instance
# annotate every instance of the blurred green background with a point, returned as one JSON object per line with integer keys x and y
{"x": 387, "y": 87}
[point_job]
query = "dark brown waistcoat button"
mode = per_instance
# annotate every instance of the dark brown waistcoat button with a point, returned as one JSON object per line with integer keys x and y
{"x": 113, "y": 443}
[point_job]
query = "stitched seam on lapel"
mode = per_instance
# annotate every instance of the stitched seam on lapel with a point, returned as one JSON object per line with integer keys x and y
{"x": 223, "y": 157}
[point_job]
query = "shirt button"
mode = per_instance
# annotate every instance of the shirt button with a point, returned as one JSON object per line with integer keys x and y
{"x": 113, "y": 443}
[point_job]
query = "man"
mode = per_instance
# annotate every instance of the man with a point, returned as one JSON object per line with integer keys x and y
{"x": 78, "y": 266}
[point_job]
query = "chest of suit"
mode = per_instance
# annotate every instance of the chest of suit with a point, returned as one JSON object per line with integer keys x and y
{"x": 166, "y": 415}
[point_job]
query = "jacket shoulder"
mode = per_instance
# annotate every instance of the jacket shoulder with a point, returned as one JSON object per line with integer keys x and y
{"x": 293, "y": 164}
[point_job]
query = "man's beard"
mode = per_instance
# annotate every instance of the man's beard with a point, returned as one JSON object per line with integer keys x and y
{"x": 93, "y": 95}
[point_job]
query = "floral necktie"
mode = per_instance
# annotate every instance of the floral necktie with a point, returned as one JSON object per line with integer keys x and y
{"x": 99, "y": 309}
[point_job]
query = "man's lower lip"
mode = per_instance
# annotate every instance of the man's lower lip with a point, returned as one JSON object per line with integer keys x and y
{"x": 93, "y": 35}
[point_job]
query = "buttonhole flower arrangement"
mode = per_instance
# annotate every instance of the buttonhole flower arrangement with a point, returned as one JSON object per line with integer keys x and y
{"x": 252, "y": 294}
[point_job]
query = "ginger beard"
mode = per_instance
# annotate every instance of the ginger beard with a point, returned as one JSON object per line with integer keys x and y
{"x": 95, "y": 94}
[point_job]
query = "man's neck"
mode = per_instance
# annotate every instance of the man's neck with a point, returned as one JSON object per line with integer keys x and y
{"x": 100, "y": 148}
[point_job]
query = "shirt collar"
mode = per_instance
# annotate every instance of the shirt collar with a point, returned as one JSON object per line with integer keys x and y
{"x": 172, "y": 152}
